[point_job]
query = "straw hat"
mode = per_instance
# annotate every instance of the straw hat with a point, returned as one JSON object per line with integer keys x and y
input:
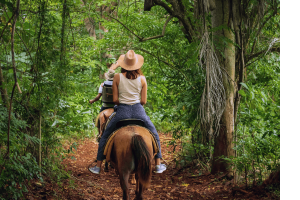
{"x": 131, "y": 61}
{"x": 109, "y": 75}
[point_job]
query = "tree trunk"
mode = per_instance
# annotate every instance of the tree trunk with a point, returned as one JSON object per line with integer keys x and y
{"x": 3, "y": 90}
{"x": 224, "y": 141}
{"x": 40, "y": 144}
{"x": 89, "y": 25}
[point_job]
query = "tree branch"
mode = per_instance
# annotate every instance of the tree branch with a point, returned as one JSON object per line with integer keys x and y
{"x": 178, "y": 13}
{"x": 126, "y": 27}
{"x": 25, "y": 46}
{"x": 181, "y": 6}
{"x": 148, "y": 52}
{"x": 163, "y": 31}
{"x": 165, "y": 6}
{"x": 3, "y": 90}
{"x": 6, "y": 26}
{"x": 170, "y": 65}
{"x": 260, "y": 29}
{"x": 141, "y": 39}
{"x": 252, "y": 56}
{"x": 16, "y": 14}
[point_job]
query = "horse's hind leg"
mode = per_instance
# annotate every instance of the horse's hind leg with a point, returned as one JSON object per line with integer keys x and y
{"x": 139, "y": 195}
{"x": 106, "y": 166}
{"x": 124, "y": 185}
{"x": 137, "y": 184}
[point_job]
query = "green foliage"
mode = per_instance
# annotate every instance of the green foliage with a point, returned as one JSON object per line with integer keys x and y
{"x": 20, "y": 165}
{"x": 17, "y": 171}
{"x": 54, "y": 81}
{"x": 258, "y": 131}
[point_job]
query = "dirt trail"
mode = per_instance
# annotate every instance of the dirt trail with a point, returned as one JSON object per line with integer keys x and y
{"x": 172, "y": 184}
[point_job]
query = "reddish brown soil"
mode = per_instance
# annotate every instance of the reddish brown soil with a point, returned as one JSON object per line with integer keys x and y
{"x": 174, "y": 183}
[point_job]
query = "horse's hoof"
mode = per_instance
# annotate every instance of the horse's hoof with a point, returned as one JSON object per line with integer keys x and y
{"x": 106, "y": 170}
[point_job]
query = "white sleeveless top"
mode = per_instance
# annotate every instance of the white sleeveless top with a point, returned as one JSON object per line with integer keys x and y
{"x": 129, "y": 90}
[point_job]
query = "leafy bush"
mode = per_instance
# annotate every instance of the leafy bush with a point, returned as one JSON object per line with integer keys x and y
{"x": 20, "y": 166}
{"x": 258, "y": 131}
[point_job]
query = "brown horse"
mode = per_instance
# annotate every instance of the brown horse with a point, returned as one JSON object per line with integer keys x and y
{"x": 132, "y": 152}
{"x": 100, "y": 123}
{"x": 102, "y": 119}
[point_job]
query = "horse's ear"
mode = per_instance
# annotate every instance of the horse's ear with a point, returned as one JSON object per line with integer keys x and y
{"x": 105, "y": 117}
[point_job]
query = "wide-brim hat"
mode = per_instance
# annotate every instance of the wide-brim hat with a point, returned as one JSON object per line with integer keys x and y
{"x": 131, "y": 61}
{"x": 109, "y": 75}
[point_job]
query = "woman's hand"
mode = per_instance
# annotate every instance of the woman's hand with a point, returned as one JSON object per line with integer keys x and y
{"x": 114, "y": 66}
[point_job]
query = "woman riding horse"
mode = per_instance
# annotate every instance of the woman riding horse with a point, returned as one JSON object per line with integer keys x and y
{"x": 130, "y": 94}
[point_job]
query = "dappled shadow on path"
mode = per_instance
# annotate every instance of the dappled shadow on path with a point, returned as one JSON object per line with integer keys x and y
{"x": 174, "y": 183}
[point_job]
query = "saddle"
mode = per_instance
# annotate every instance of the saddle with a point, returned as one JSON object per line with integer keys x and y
{"x": 123, "y": 123}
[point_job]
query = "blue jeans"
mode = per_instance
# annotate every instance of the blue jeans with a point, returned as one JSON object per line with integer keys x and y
{"x": 125, "y": 111}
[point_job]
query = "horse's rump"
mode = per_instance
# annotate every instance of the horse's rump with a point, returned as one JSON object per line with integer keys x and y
{"x": 122, "y": 132}
{"x": 133, "y": 152}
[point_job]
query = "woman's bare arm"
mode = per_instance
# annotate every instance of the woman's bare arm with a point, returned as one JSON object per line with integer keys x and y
{"x": 115, "y": 89}
{"x": 144, "y": 90}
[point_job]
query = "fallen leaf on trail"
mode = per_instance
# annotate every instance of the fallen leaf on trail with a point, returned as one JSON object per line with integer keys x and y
{"x": 185, "y": 184}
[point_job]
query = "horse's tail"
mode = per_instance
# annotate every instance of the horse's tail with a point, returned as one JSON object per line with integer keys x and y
{"x": 142, "y": 159}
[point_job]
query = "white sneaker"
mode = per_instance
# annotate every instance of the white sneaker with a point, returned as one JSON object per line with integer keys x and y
{"x": 95, "y": 170}
{"x": 160, "y": 168}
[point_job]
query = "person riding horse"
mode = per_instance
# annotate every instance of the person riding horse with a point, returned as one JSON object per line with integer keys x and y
{"x": 109, "y": 76}
{"x": 129, "y": 94}
{"x": 107, "y": 101}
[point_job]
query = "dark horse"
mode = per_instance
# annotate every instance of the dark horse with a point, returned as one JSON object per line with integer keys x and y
{"x": 132, "y": 153}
